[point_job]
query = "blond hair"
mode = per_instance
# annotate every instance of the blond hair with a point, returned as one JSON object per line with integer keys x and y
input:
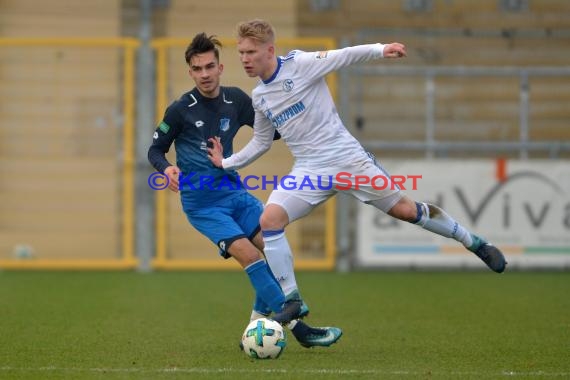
{"x": 257, "y": 29}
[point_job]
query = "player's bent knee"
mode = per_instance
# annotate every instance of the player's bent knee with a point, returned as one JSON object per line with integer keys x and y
{"x": 405, "y": 211}
{"x": 273, "y": 219}
{"x": 266, "y": 223}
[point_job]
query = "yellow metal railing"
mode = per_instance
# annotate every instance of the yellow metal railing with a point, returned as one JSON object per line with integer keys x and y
{"x": 127, "y": 259}
{"x": 162, "y": 261}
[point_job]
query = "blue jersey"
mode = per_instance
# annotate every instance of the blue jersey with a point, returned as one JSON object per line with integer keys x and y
{"x": 189, "y": 122}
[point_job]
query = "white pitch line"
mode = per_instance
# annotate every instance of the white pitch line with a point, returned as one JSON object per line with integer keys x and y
{"x": 277, "y": 370}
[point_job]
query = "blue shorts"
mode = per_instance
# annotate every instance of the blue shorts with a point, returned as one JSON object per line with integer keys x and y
{"x": 228, "y": 220}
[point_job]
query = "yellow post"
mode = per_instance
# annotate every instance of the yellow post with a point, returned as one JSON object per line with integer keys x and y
{"x": 129, "y": 155}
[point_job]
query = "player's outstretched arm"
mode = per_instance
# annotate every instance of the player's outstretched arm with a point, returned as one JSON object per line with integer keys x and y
{"x": 263, "y": 133}
{"x": 394, "y": 50}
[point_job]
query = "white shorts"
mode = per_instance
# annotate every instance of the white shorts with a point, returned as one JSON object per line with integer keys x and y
{"x": 303, "y": 189}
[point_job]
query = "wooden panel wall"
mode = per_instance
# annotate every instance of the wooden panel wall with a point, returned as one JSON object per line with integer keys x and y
{"x": 59, "y": 18}
{"x": 60, "y": 132}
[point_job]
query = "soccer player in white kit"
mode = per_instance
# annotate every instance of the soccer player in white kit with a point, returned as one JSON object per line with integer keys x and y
{"x": 293, "y": 98}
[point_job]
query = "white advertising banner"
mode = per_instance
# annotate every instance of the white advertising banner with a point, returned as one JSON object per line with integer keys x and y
{"x": 522, "y": 207}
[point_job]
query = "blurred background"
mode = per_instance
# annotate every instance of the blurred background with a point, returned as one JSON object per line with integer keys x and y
{"x": 478, "y": 109}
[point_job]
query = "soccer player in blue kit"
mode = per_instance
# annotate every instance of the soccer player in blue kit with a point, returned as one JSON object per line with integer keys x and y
{"x": 212, "y": 198}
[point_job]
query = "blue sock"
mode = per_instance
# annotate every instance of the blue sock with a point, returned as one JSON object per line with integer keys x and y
{"x": 260, "y": 306}
{"x": 265, "y": 285}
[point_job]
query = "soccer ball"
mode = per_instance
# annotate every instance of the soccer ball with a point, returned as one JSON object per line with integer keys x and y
{"x": 264, "y": 339}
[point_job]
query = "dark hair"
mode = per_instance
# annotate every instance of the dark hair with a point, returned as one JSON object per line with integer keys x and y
{"x": 202, "y": 44}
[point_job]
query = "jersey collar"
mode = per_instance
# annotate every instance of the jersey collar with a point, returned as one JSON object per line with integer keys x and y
{"x": 279, "y": 62}
{"x": 201, "y": 97}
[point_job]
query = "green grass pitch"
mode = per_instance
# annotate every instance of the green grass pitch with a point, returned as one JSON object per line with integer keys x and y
{"x": 186, "y": 325}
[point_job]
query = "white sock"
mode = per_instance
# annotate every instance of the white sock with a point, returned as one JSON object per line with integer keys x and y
{"x": 434, "y": 219}
{"x": 280, "y": 259}
{"x": 291, "y": 325}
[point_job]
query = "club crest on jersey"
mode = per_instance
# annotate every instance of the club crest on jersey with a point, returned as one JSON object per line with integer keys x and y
{"x": 199, "y": 123}
{"x": 224, "y": 125}
{"x": 288, "y": 85}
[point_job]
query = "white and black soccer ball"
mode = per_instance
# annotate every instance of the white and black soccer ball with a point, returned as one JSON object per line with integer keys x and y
{"x": 264, "y": 339}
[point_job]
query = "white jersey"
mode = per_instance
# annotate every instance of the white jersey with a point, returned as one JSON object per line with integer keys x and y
{"x": 297, "y": 102}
